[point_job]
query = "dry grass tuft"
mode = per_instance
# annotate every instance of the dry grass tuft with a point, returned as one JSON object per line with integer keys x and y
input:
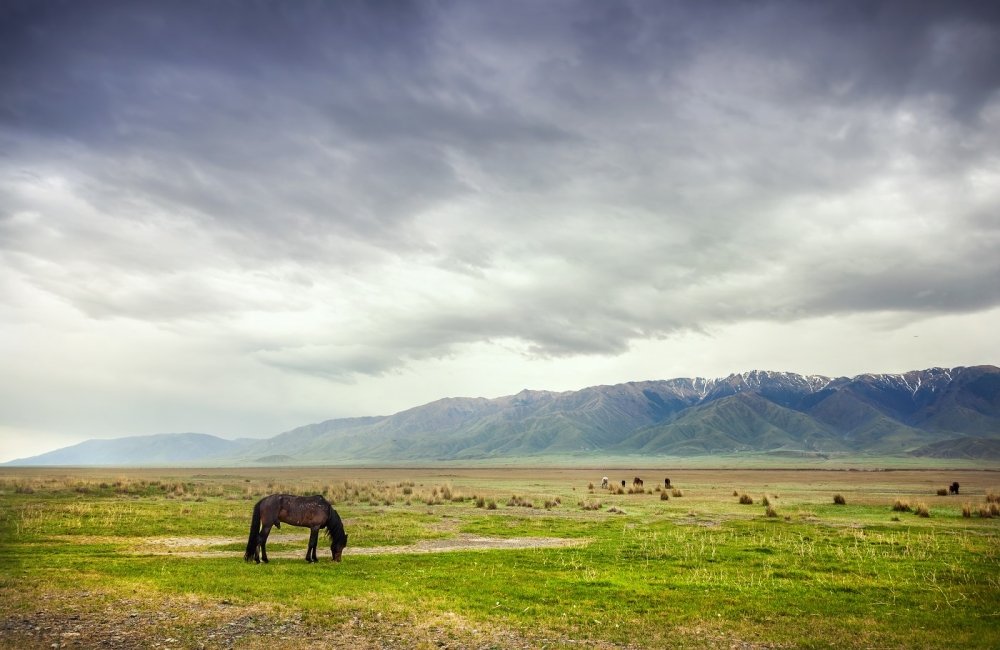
{"x": 901, "y": 506}
{"x": 770, "y": 511}
{"x": 664, "y": 496}
{"x": 746, "y": 499}
{"x": 677, "y": 493}
{"x": 839, "y": 499}
{"x": 942, "y": 492}
{"x": 966, "y": 510}
{"x": 921, "y": 510}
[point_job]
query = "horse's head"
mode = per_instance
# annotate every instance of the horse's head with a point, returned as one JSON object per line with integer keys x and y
{"x": 338, "y": 543}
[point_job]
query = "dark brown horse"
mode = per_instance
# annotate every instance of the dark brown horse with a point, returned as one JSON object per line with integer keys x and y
{"x": 311, "y": 512}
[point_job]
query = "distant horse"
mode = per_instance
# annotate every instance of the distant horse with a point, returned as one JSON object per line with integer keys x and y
{"x": 953, "y": 488}
{"x": 604, "y": 482}
{"x": 311, "y": 512}
{"x": 666, "y": 482}
{"x": 637, "y": 482}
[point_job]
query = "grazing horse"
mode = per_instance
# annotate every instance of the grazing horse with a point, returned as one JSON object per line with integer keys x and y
{"x": 953, "y": 488}
{"x": 637, "y": 482}
{"x": 604, "y": 482}
{"x": 666, "y": 482}
{"x": 311, "y": 512}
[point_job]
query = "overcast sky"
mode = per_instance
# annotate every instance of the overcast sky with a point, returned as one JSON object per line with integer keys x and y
{"x": 241, "y": 217}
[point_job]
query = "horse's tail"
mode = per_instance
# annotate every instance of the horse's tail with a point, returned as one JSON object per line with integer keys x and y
{"x": 254, "y": 534}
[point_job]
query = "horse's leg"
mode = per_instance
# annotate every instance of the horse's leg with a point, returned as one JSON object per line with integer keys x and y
{"x": 313, "y": 541}
{"x": 264, "y": 532}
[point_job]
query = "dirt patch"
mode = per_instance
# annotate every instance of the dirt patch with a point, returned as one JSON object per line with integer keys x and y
{"x": 93, "y": 620}
{"x": 173, "y": 545}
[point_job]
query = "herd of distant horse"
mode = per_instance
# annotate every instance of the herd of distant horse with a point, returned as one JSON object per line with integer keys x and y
{"x": 636, "y": 483}
{"x": 316, "y": 514}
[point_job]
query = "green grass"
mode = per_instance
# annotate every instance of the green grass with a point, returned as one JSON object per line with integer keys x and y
{"x": 700, "y": 571}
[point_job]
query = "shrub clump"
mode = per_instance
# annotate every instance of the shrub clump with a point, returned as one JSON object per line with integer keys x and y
{"x": 942, "y": 492}
{"x": 677, "y": 493}
{"x": 966, "y": 510}
{"x": 591, "y": 505}
{"x": 770, "y": 511}
{"x": 921, "y": 510}
{"x": 519, "y": 501}
{"x": 839, "y": 499}
{"x": 901, "y": 506}
{"x": 746, "y": 499}
{"x": 664, "y": 496}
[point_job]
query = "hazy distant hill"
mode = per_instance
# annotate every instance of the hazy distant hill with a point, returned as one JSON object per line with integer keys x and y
{"x": 159, "y": 449}
{"x": 944, "y": 413}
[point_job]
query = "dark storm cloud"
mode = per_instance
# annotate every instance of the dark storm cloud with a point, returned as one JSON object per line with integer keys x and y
{"x": 572, "y": 175}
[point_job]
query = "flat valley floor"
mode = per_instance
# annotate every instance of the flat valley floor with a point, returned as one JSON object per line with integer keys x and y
{"x": 504, "y": 558}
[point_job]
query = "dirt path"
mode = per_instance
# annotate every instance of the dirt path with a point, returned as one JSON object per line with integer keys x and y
{"x": 181, "y": 546}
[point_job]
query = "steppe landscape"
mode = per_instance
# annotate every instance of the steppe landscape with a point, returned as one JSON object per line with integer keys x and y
{"x": 501, "y": 558}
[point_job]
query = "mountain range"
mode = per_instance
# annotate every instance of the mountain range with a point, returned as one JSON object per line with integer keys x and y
{"x": 933, "y": 413}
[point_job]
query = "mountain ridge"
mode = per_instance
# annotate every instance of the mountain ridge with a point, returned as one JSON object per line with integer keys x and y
{"x": 937, "y": 412}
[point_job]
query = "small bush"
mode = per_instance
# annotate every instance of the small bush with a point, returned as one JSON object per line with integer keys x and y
{"x": 942, "y": 492}
{"x": 992, "y": 498}
{"x": 735, "y": 493}
{"x": 770, "y": 511}
{"x": 491, "y": 505}
{"x": 984, "y": 512}
{"x": 480, "y": 502}
{"x": 966, "y": 510}
{"x": 591, "y": 505}
{"x": 765, "y": 501}
{"x": 995, "y": 509}
{"x": 839, "y": 499}
{"x": 519, "y": 501}
{"x": 746, "y": 499}
{"x": 921, "y": 510}
{"x": 677, "y": 493}
{"x": 617, "y": 511}
{"x": 407, "y": 490}
{"x": 901, "y": 506}
{"x": 664, "y": 496}
{"x": 590, "y": 486}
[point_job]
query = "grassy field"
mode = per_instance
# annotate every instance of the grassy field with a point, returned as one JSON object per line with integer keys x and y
{"x": 511, "y": 557}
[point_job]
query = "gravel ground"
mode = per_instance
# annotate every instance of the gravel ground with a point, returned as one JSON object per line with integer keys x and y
{"x": 100, "y": 621}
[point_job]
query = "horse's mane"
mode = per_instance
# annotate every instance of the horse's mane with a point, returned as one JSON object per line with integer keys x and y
{"x": 334, "y": 525}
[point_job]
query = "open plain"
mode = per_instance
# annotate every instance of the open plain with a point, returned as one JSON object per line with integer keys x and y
{"x": 501, "y": 558}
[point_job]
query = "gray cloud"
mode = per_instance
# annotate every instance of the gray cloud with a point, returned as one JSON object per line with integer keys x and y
{"x": 409, "y": 178}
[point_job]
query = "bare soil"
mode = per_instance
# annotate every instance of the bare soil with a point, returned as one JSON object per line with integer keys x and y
{"x": 180, "y": 546}
{"x": 93, "y": 620}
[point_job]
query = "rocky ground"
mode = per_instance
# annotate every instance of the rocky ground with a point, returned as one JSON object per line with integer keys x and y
{"x": 99, "y": 621}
